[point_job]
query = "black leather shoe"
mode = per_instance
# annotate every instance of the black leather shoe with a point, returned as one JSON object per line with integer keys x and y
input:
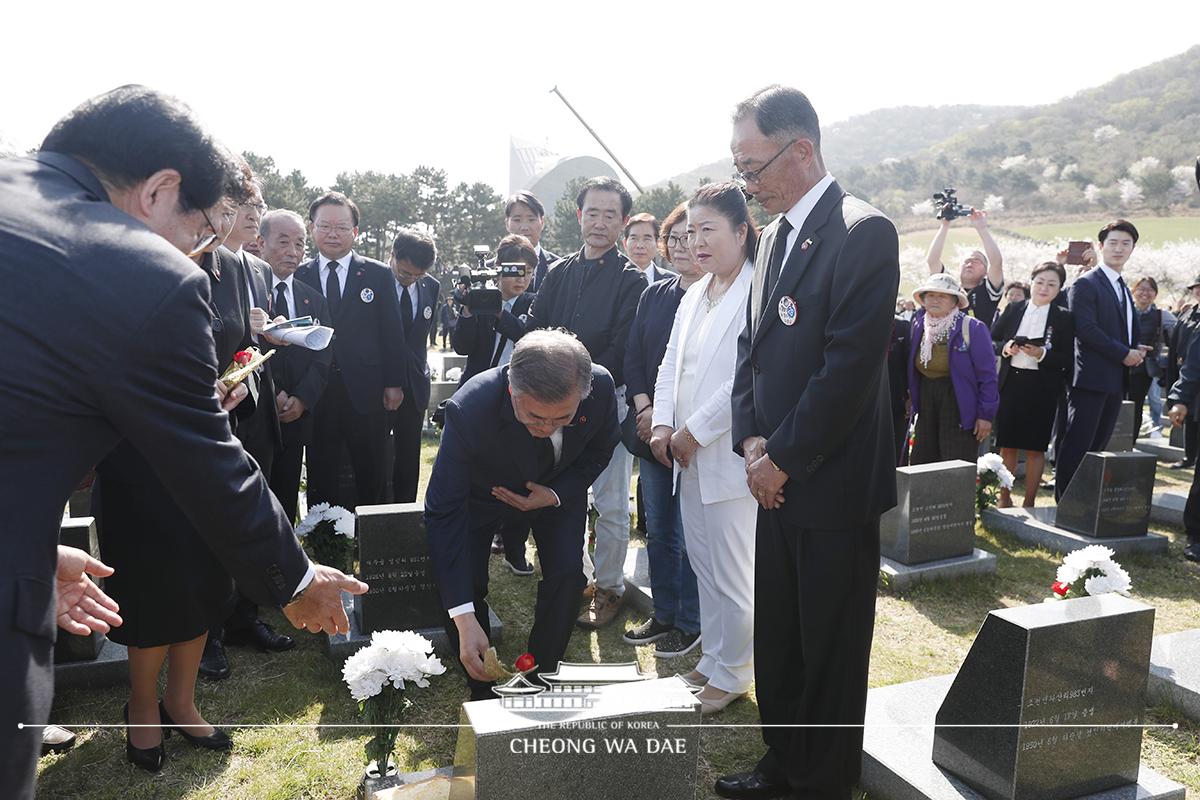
{"x": 150, "y": 759}
{"x": 497, "y": 545}
{"x": 749, "y": 786}
{"x": 217, "y": 740}
{"x": 214, "y": 664}
{"x": 262, "y": 636}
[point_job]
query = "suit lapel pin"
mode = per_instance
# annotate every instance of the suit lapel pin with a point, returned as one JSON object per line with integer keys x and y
{"x": 306, "y": 301}
{"x": 367, "y": 295}
{"x": 805, "y": 245}
{"x": 787, "y": 311}
{"x": 428, "y": 312}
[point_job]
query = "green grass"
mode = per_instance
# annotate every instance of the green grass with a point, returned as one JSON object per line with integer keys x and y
{"x": 923, "y": 632}
{"x": 1153, "y": 231}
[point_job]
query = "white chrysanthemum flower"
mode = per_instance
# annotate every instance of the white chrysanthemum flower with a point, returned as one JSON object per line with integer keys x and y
{"x": 343, "y": 525}
{"x": 1114, "y": 580}
{"x": 1088, "y": 557}
{"x": 363, "y": 674}
{"x": 988, "y": 462}
{"x": 1067, "y": 574}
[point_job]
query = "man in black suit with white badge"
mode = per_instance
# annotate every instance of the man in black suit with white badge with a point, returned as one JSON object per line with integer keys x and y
{"x": 370, "y": 359}
{"x": 111, "y": 336}
{"x": 812, "y": 417}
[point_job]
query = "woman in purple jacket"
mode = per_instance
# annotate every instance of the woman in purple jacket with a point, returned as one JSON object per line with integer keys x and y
{"x": 951, "y": 375}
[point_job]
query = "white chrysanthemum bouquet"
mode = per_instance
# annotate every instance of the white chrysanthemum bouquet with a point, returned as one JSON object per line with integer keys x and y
{"x": 990, "y": 476}
{"x": 1089, "y": 572}
{"x": 377, "y": 676}
{"x": 328, "y": 535}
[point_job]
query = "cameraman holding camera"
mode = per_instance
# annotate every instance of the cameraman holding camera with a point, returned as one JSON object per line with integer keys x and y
{"x": 487, "y": 339}
{"x": 982, "y": 273}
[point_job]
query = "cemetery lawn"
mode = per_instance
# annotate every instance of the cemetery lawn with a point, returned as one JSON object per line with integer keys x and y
{"x": 1153, "y": 231}
{"x": 925, "y": 632}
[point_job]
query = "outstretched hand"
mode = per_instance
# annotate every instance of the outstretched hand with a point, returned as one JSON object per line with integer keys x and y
{"x": 319, "y": 607}
{"x": 82, "y": 607}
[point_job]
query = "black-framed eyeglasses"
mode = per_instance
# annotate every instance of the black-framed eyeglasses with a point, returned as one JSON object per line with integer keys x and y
{"x": 677, "y": 240}
{"x": 754, "y": 174}
{"x": 207, "y": 240}
{"x": 261, "y": 208}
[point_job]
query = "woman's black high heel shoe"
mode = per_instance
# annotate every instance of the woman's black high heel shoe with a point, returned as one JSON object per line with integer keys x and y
{"x": 150, "y": 759}
{"x": 217, "y": 740}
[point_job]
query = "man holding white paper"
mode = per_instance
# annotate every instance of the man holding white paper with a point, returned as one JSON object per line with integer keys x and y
{"x": 300, "y": 373}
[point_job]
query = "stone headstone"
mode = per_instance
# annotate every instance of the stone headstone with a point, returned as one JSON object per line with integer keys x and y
{"x": 1109, "y": 496}
{"x": 78, "y": 532}
{"x": 393, "y": 559}
{"x": 1081, "y": 663}
{"x": 1175, "y": 672}
{"x": 587, "y": 743}
{"x": 1176, "y": 436}
{"x": 934, "y": 517}
{"x": 439, "y": 391}
{"x": 450, "y": 361}
{"x": 1123, "y": 435}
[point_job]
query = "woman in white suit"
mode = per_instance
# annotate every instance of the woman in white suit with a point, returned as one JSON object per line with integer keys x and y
{"x": 692, "y": 426}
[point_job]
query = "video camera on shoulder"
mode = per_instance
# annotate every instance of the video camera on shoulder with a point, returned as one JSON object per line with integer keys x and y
{"x": 479, "y": 288}
{"x": 947, "y": 205}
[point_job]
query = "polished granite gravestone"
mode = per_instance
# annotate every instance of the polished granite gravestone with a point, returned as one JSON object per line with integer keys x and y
{"x": 1167, "y": 507}
{"x": 898, "y": 741}
{"x": 393, "y": 560}
{"x": 1108, "y": 503}
{"x": 452, "y": 360}
{"x": 92, "y": 660}
{"x": 439, "y": 391}
{"x": 1175, "y": 672}
{"x": 1176, "y": 439}
{"x": 1080, "y": 663}
{"x": 1123, "y": 435}
{"x": 930, "y": 534}
{"x": 612, "y": 742}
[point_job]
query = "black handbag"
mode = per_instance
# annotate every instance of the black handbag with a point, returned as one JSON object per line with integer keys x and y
{"x": 630, "y": 439}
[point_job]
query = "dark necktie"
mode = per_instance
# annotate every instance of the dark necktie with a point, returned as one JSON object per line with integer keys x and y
{"x": 777, "y": 252}
{"x": 545, "y": 455}
{"x": 1124, "y": 310}
{"x": 406, "y": 308}
{"x": 281, "y": 304}
{"x": 333, "y": 289}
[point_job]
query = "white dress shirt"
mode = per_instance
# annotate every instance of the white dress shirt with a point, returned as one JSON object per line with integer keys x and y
{"x": 1113, "y": 276}
{"x": 797, "y": 215}
{"x": 342, "y": 265}
{"x": 1033, "y": 326}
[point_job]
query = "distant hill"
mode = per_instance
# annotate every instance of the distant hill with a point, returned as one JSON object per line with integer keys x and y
{"x": 869, "y": 138}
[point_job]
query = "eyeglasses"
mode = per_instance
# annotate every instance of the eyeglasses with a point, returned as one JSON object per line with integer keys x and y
{"x": 677, "y": 240}
{"x": 261, "y": 208}
{"x": 205, "y": 241}
{"x": 327, "y": 228}
{"x": 752, "y": 176}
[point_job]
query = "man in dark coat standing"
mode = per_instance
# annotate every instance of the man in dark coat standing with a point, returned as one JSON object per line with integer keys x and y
{"x": 108, "y": 337}
{"x": 811, "y": 416}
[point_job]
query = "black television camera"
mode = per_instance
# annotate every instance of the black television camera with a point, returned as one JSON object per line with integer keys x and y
{"x": 947, "y": 204}
{"x": 479, "y": 288}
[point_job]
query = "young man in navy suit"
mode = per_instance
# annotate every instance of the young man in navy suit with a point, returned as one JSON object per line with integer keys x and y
{"x": 1105, "y": 349}
{"x": 413, "y": 253}
{"x": 521, "y": 443}
{"x": 525, "y": 216}
{"x": 370, "y": 359}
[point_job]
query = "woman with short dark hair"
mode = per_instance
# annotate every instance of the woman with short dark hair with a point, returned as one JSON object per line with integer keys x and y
{"x": 1035, "y": 340}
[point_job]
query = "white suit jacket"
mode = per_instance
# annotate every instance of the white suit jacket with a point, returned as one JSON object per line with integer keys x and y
{"x": 722, "y": 471}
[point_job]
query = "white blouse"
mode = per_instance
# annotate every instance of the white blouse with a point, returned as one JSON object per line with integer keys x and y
{"x": 1033, "y": 326}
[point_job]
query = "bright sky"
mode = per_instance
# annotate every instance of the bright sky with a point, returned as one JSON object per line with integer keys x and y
{"x": 332, "y": 86}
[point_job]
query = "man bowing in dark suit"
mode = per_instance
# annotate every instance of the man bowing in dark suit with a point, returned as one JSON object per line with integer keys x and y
{"x": 370, "y": 359}
{"x": 1105, "y": 349}
{"x": 413, "y": 253}
{"x": 522, "y": 442}
{"x": 811, "y": 416}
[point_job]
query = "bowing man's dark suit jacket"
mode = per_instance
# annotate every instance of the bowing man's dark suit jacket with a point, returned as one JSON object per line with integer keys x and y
{"x": 368, "y": 343}
{"x": 817, "y": 390}
{"x": 483, "y": 445}
{"x": 475, "y": 336}
{"x": 107, "y": 334}
{"x": 1055, "y": 368}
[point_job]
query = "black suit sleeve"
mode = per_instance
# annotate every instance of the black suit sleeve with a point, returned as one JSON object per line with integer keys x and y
{"x": 587, "y": 466}
{"x": 311, "y": 385}
{"x": 741, "y": 399}
{"x": 447, "y": 511}
{"x": 160, "y": 397}
{"x": 1087, "y": 324}
{"x": 1061, "y": 354}
{"x": 511, "y": 326}
{"x": 1000, "y": 331}
{"x": 396, "y": 355}
{"x": 465, "y": 336}
{"x": 862, "y": 302}
{"x": 635, "y": 364}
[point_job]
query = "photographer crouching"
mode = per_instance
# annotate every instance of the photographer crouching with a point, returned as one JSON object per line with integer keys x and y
{"x": 981, "y": 274}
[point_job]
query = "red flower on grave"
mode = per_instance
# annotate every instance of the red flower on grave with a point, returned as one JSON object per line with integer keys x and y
{"x": 242, "y": 357}
{"x": 525, "y": 662}
{"x": 1060, "y": 588}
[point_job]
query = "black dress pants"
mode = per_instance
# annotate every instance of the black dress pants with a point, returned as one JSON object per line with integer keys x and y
{"x": 285, "y": 472}
{"x": 560, "y": 551}
{"x": 814, "y": 597}
{"x": 407, "y": 423}
{"x": 1091, "y": 417}
{"x": 336, "y": 422}
{"x": 1139, "y": 387}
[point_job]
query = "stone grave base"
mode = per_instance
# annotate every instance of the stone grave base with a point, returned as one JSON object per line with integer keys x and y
{"x": 341, "y": 646}
{"x": 898, "y": 751}
{"x": 1167, "y": 508}
{"x": 902, "y": 576}
{"x": 1175, "y": 672}
{"x": 637, "y": 581}
{"x": 1036, "y": 526}
{"x": 393, "y": 787}
{"x": 110, "y": 668}
{"x": 1162, "y": 449}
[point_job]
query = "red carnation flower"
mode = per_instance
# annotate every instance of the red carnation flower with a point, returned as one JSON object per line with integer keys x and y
{"x": 1060, "y": 588}
{"x": 242, "y": 357}
{"x": 525, "y": 662}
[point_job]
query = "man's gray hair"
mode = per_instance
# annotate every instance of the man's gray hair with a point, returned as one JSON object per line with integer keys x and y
{"x": 781, "y": 112}
{"x": 264, "y": 226}
{"x": 550, "y": 365}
